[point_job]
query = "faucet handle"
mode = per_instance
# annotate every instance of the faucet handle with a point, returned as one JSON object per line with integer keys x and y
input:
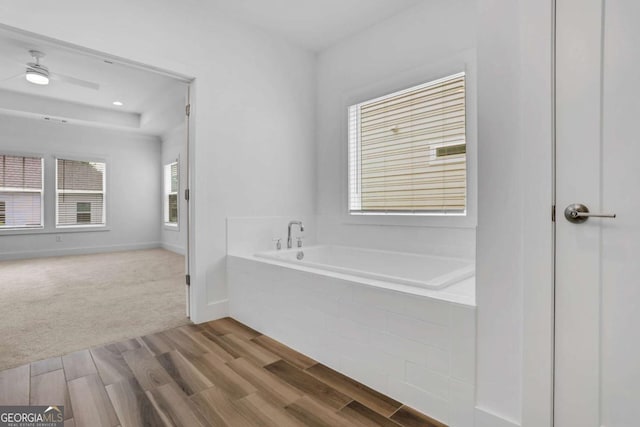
{"x": 299, "y": 242}
{"x": 278, "y": 243}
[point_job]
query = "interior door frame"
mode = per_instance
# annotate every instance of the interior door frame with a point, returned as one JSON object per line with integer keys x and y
{"x": 189, "y": 81}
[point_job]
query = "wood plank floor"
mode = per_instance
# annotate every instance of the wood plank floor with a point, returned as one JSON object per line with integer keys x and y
{"x": 220, "y": 373}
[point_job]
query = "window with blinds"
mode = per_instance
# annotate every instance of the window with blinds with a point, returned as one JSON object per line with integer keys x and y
{"x": 171, "y": 185}
{"x": 80, "y": 193}
{"x": 20, "y": 192}
{"x": 407, "y": 151}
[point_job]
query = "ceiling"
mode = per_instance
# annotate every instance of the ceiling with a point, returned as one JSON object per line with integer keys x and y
{"x": 313, "y": 24}
{"x": 152, "y": 103}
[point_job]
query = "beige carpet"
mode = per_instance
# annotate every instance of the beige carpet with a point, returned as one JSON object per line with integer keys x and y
{"x": 53, "y": 306}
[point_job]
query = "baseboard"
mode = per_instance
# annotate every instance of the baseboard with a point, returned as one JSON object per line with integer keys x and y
{"x": 172, "y": 248}
{"x": 76, "y": 251}
{"x": 486, "y": 418}
{"x": 212, "y": 311}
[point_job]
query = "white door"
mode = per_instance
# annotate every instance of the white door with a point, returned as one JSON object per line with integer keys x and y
{"x": 597, "y": 369}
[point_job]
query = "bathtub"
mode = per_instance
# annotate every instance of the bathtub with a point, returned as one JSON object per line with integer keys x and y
{"x": 420, "y": 271}
{"x": 373, "y": 315}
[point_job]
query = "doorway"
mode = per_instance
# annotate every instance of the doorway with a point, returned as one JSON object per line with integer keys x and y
{"x": 94, "y": 223}
{"x": 597, "y": 342}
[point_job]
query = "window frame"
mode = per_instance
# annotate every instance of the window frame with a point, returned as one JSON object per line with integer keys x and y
{"x": 355, "y": 166}
{"x": 4, "y": 230}
{"x": 81, "y": 227}
{"x": 166, "y": 192}
{"x": 464, "y": 61}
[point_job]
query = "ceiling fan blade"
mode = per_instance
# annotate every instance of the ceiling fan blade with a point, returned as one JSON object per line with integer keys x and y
{"x": 12, "y": 77}
{"x": 75, "y": 81}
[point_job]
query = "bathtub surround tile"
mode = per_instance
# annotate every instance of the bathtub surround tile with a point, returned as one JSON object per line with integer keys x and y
{"x": 350, "y": 329}
{"x": 248, "y": 235}
{"x": 430, "y": 336}
{"x": 373, "y": 317}
{"x": 428, "y": 309}
{"x": 462, "y": 396}
{"x": 402, "y": 348}
{"x": 418, "y": 330}
{"x": 439, "y": 361}
{"x": 428, "y": 380}
{"x": 377, "y": 297}
{"x": 463, "y": 343}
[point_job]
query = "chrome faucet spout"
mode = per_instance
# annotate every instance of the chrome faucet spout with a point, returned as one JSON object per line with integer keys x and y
{"x": 289, "y": 239}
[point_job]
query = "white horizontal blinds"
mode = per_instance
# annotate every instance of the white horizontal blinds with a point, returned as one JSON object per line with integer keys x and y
{"x": 80, "y": 192}
{"x": 171, "y": 185}
{"x": 20, "y": 191}
{"x": 412, "y": 152}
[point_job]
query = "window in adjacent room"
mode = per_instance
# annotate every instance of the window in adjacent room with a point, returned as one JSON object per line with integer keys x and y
{"x": 171, "y": 185}
{"x": 80, "y": 193}
{"x": 20, "y": 192}
{"x": 83, "y": 215}
{"x": 407, "y": 151}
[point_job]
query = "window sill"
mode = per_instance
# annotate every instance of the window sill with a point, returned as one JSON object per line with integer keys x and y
{"x": 171, "y": 227}
{"x": 452, "y": 220}
{"x": 73, "y": 229}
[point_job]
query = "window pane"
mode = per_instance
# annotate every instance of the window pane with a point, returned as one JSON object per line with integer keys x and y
{"x": 77, "y": 175}
{"x": 174, "y": 177}
{"x": 407, "y": 150}
{"x": 171, "y": 188}
{"x": 80, "y": 188}
{"x": 20, "y": 191}
{"x": 173, "y": 208}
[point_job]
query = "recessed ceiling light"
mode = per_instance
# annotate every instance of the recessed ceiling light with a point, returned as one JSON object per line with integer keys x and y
{"x": 118, "y": 103}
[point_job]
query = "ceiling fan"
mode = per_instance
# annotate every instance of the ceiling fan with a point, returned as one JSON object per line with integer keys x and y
{"x": 39, "y": 74}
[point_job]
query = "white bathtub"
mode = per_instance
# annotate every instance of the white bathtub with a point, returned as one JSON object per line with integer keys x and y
{"x": 421, "y": 271}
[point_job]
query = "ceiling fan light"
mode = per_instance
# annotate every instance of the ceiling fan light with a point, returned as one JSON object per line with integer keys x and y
{"x": 37, "y": 77}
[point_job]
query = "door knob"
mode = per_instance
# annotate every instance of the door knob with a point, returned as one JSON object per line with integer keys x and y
{"x": 579, "y": 213}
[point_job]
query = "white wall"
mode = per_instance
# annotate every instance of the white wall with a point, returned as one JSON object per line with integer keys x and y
{"x": 174, "y": 144}
{"x": 133, "y": 187}
{"x": 254, "y": 110}
{"x": 423, "y": 43}
{"x": 514, "y": 264}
